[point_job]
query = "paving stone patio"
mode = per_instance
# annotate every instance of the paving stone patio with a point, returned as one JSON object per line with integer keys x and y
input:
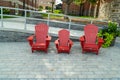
{"x": 18, "y": 63}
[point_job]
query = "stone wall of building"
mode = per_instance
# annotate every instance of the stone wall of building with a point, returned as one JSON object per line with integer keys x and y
{"x": 115, "y": 11}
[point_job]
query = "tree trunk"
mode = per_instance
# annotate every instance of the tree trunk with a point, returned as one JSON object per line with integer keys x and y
{"x": 95, "y": 10}
{"x": 104, "y": 11}
{"x": 89, "y": 13}
{"x": 66, "y": 9}
{"x": 52, "y": 7}
{"x": 66, "y": 12}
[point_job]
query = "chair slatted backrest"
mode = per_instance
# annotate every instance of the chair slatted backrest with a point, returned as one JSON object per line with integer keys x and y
{"x": 90, "y": 33}
{"x": 41, "y": 31}
{"x": 64, "y": 37}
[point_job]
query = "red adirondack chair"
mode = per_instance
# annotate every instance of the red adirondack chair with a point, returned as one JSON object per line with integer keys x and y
{"x": 41, "y": 36}
{"x": 90, "y": 42}
{"x": 63, "y": 43}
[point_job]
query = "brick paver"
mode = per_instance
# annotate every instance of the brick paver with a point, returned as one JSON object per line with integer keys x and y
{"x": 17, "y": 62}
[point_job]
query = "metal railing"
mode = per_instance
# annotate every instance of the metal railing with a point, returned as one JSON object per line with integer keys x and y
{"x": 48, "y": 19}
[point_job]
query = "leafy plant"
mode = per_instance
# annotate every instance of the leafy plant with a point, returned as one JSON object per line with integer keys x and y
{"x": 107, "y": 38}
{"x": 112, "y": 29}
{"x": 57, "y": 11}
{"x": 109, "y": 34}
{"x": 40, "y": 8}
{"x": 5, "y": 11}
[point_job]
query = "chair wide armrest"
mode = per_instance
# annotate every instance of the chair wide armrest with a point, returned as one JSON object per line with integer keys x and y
{"x": 56, "y": 43}
{"x": 82, "y": 38}
{"x": 48, "y": 38}
{"x": 70, "y": 44}
{"x": 30, "y": 39}
{"x": 100, "y": 42}
{"x": 82, "y": 41}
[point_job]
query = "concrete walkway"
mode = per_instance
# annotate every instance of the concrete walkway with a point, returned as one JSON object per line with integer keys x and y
{"x": 17, "y": 62}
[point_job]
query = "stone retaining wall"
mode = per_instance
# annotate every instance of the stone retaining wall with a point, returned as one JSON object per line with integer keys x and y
{"x": 13, "y": 36}
{"x": 21, "y": 36}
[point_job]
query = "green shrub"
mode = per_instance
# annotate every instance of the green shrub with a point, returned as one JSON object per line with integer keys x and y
{"x": 48, "y": 8}
{"x": 40, "y": 8}
{"x": 112, "y": 29}
{"x": 5, "y": 11}
{"x": 44, "y": 15}
{"x": 57, "y": 11}
{"x": 107, "y": 39}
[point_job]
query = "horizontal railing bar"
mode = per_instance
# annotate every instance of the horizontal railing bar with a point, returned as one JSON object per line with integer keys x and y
{"x": 59, "y": 22}
{"x": 78, "y": 24}
{"x": 13, "y": 16}
{"x": 14, "y": 8}
{"x": 36, "y": 19}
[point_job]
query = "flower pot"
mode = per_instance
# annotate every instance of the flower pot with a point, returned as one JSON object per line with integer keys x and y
{"x": 113, "y": 42}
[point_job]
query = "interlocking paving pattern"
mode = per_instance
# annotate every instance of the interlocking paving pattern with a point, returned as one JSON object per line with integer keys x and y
{"x": 17, "y": 62}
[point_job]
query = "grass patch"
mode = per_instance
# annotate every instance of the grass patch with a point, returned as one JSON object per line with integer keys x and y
{"x": 7, "y": 17}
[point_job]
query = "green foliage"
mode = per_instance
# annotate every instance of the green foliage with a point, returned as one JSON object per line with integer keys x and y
{"x": 48, "y": 8}
{"x": 8, "y": 17}
{"x": 57, "y": 11}
{"x": 5, "y": 11}
{"x": 108, "y": 39}
{"x": 92, "y": 1}
{"x": 109, "y": 33}
{"x": 112, "y": 28}
{"x": 118, "y": 33}
{"x": 40, "y": 8}
{"x": 78, "y": 2}
{"x": 44, "y": 15}
{"x": 100, "y": 34}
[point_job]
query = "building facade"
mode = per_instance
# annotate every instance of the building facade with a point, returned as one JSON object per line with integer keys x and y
{"x": 22, "y": 4}
{"x": 115, "y": 11}
{"x": 80, "y": 9}
{"x": 46, "y": 3}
